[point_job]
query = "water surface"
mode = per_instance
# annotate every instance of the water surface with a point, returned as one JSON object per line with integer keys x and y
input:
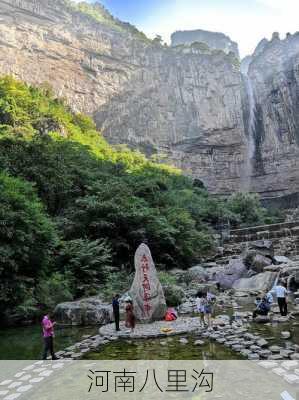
{"x": 26, "y": 343}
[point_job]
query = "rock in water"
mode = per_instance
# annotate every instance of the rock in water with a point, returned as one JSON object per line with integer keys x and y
{"x": 88, "y": 311}
{"x": 146, "y": 291}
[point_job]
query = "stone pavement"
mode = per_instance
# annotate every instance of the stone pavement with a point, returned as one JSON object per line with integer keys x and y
{"x": 180, "y": 326}
{"x": 29, "y": 377}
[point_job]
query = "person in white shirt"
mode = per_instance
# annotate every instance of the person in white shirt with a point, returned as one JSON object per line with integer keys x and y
{"x": 281, "y": 293}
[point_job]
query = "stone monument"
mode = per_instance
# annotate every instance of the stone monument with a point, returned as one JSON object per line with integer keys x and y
{"x": 146, "y": 291}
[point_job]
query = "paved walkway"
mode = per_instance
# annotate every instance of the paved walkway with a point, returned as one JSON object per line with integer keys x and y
{"x": 29, "y": 377}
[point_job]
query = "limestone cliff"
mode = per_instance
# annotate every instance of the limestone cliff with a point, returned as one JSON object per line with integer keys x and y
{"x": 274, "y": 73}
{"x": 184, "y": 104}
{"x": 214, "y": 40}
{"x": 188, "y": 103}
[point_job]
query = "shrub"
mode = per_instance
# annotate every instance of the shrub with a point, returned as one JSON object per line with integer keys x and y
{"x": 117, "y": 283}
{"x": 53, "y": 290}
{"x": 174, "y": 295}
{"x": 87, "y": 262}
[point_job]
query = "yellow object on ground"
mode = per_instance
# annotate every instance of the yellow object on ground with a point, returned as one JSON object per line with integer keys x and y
{"x": 166, "y": 330}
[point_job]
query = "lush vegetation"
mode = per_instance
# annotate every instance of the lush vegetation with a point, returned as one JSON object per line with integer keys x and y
{"x": 74, "y": 209}
{"x": 98, "y": 13}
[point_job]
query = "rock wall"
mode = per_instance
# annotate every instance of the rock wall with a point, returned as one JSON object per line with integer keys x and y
{"x": 215, "y": 40}
{"x": 190, "y": 105}
{"x": 274, "y": 73}
{"x": 160, "y": 100}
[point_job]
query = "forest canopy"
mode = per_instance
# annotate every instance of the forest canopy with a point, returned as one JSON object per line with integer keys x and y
{"x": 74, "y": 208}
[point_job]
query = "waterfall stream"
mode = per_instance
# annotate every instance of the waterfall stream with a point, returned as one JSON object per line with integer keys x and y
{"x": 251, "y": 127}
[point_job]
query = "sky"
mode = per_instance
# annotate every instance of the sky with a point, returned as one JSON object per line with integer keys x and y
{"x": 245, "y": 21}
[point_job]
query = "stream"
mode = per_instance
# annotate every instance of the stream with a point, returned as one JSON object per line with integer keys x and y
{"x": 25, "y": 343}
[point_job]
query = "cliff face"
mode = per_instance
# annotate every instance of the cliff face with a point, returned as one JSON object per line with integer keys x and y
{"x": 274, "y": 74}
{"x": 215, "y": 40}
{"x": 189, "y": 104}
{"x": 160, "y": 100}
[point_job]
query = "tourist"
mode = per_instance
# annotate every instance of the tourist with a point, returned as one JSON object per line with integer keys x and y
{"x": 115, "y": 306}
{"x": 130, "y": 317}
{"x": 281, "y": 293}
{"x": 208, "y": 307}
{"x": 200, "y": 307}
{"x": 262, "y": 307}
{"x": 48, "y": 334}
{"x": 269, "y": 298}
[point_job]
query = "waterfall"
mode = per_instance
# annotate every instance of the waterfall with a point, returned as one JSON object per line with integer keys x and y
{"x": 276, "y": 280}
{"x": 251, "y": 127}
{"x": 251, "y": 119}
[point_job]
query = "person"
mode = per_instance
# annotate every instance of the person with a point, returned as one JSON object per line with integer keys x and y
{"x": 269, "y": 298}
{"x": 208, "y": 307}
{"x": 48, "y": 334}
{"x": 200, "y": 306}
{"x": 115, "y": 306}
{"x": 130, "y": 317}
{"x": 262, "y": 307}
{"x": 281, "y": 293}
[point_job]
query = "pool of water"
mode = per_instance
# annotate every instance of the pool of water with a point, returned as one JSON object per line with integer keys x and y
{"x": 271, "y": 331}
{"x": 26, "y": 343}
{"x": 162, "y": 349}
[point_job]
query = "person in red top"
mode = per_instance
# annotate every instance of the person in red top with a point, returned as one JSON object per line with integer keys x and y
{"x": 130, "y": 316}
{"x": 48, "y": 334}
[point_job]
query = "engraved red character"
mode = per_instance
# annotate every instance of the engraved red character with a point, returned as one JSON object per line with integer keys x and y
{"x": 146, "y": 285}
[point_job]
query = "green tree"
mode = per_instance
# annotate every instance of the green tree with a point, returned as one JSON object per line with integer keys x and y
{"x": 87, "y": 262}
{"x": 26, "y": 236}
{"x": 245, "y": 209}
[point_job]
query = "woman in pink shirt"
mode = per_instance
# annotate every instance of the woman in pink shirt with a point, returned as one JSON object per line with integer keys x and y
{"x": 48, "y": 334}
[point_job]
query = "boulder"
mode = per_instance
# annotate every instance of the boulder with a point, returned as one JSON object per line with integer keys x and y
{"x": 263, "y": 247}
{"x": 281, "y": 260}
{"x": 198, "y": 274}
{"x": 285, "y": 334}
{"x": 183, "y": 340}
{"x": 146, "y": 291}
{"x": 275, "y": 349}
{"x": 89, "y": 311}
{"x": 261, "y": 282}
{"x": 262, "y": 343}
{"x": 255, "y": 261}
{"x": 259, "y": 262}
{"x": 235, "y": 270}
